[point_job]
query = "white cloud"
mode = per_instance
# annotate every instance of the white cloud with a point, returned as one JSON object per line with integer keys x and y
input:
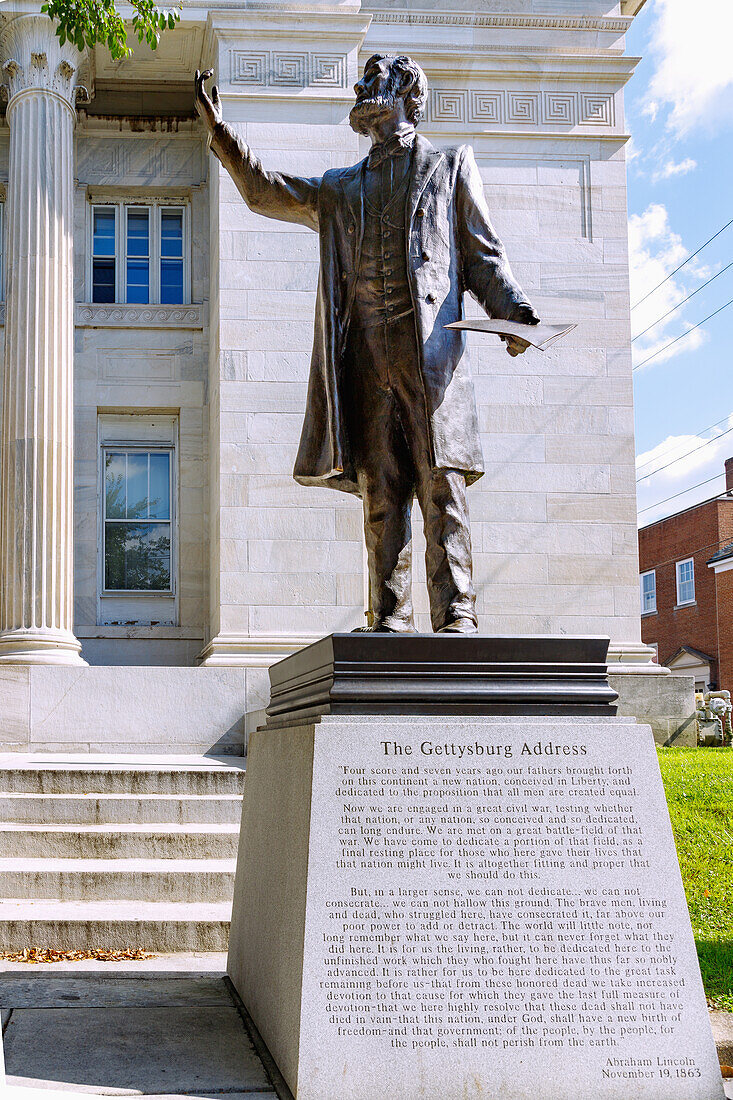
{"x": 672, "y": 168}
{"x": 654, "y": 251}
{"x": 693, "y": 76}
{"x": 688, "y": 460}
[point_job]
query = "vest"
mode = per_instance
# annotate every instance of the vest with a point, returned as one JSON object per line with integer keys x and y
{"x": 382, "y": 288}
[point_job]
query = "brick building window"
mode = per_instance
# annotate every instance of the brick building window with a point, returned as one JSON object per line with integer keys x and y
{"x": 685, "y": 581}
{"x": 648, "y": 589}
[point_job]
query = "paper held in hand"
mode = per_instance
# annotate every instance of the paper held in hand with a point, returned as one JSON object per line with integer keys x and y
{"x": 539, "y": 336}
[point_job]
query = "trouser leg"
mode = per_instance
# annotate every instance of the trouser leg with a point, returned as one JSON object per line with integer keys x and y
{"x": 386, "y": 479}
{"x": 448, "y": 562}
{"x": 441, "y": 492}
{"x": 388, "y": 537}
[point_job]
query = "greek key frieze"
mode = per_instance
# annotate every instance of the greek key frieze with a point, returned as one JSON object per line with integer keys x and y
{"x": 513, "y": 107}
{"x": 280, "y": 69}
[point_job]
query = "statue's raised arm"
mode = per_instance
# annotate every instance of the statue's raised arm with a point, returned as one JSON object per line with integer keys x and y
{"x": 274, "y": 194}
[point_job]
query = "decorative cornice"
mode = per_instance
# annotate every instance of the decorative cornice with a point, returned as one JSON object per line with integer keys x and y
{"x": 93, "y": 315}
{"x": 33, "y": 59}
{"x": 533, "y": 22}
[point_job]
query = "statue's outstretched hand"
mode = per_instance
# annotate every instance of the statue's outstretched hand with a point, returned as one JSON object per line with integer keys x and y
{"x": 208, "y": 108}
{"x": 524, "y": 315}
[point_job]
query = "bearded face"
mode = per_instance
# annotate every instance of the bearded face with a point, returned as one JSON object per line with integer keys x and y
{"x": 369, "y": 107}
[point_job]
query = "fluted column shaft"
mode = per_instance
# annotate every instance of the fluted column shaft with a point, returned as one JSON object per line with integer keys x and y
{"x": 36, "y": 499}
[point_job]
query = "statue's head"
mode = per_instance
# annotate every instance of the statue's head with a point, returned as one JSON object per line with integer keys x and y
{"x": 387, "y": 80}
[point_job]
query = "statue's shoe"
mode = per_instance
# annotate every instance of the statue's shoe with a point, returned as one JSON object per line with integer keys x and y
{"x": 383, "y": 628}
{"x": 459, "y": 626}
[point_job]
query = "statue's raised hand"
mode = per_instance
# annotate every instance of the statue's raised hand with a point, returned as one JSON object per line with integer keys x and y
{"x": 209, "y": 108}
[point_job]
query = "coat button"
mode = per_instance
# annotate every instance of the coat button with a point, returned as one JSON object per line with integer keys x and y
{"x": 351, "y": 229}
{"x": 421, "y": 212}
{"x": 344, "y": 275}
{"x": 430, "y": 297}
{"x": 426, "y": 256}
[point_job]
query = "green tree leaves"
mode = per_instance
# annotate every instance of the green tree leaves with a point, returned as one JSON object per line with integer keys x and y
{"x": 92, "y": 22}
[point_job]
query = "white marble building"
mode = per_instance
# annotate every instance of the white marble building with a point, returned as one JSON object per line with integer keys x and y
{"x": 183, "y": 326}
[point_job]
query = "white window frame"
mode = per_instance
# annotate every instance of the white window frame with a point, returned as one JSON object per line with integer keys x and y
{"x": 155, "y": 206}
{"x": 648, "y": 573}
{"x": 684, "y": 561}
{"x": 142, "y": 433}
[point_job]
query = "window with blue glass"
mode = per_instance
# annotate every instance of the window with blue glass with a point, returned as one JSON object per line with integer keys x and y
{"x": 648, "y": 588}
{"x": 140, "y": 253}
{"x": 685, "y": 581}
{"x": 171, "y": 256}
{"x": 137, "y": 520}
{"x": 104, "y": 254}
{"x": 137, "y": 277}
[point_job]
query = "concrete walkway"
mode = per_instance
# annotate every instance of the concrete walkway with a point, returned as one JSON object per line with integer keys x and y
{"x": 163, "y": 1028}
{"x": 167, "y": 1028}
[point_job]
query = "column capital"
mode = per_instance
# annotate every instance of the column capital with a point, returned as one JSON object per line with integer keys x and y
{"x": 33, "y": 59}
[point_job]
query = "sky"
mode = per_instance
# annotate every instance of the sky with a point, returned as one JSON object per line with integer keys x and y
{"x": 679, "y": 112}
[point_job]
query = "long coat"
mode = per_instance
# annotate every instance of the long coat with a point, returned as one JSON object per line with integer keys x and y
{"x": 452, "y": 248}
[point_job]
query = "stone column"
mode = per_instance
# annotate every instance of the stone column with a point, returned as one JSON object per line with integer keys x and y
{"x": 36, "y": 509}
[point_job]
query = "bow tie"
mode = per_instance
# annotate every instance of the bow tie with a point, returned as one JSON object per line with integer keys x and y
{"x": 396, "y": 146}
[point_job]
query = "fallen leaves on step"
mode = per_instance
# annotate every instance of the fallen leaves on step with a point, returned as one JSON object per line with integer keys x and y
{"x": 48, "y": 955}
{"x": 727, "y": 1071}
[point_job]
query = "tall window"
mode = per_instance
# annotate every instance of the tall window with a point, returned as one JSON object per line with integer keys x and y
{"x": 140, "y": 253}
{"x": 686, "y": 581}
{"x": 648, "y": 587}
{"x": 137, "y": 520}
{"x": 171, "y": 256}
{"x": 137, "y": 236}
{"x": 103, "y": 250}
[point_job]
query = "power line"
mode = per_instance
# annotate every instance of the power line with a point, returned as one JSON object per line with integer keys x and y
{"x": 708, "y": 429}
{"x": 682, "y": 336}
{"x": 679, "y": 268}
{"x": 680, "y": 304}
{"x": 680, "y": 494}
{"x": 685, "y": 455}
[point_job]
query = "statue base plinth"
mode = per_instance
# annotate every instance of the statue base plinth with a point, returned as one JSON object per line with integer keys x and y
{"x": 364, "y": 673}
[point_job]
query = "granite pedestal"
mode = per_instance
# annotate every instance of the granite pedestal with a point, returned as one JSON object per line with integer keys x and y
{"x": 454, "y": 904}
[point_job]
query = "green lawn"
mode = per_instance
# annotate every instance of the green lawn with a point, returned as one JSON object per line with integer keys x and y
{"x": 699, "y": 787}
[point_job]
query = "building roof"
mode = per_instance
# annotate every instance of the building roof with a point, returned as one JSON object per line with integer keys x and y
{"x": 692, "y": 652}
{"x": 721, "y": 555}
{"x": 725, "y": 495}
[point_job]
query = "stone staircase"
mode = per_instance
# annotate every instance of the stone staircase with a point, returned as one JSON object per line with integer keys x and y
{"x": 115, "y": 852}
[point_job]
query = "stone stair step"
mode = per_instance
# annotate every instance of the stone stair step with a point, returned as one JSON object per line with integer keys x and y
{"x": 89, "y": 809}
{"x": 83, "y": 774}
{"x": 115, "y": 841}
{"x": 180, "y": 880}
{"x": 78, "y": 926}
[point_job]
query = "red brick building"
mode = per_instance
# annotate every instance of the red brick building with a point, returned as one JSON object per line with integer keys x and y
{"x": 686, "y": 586}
